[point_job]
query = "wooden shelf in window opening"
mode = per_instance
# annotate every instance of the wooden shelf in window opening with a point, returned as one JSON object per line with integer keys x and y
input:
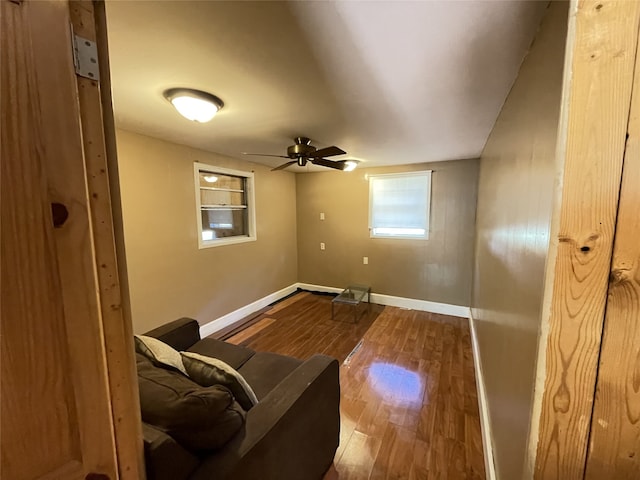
{"x": 222, "y": 207}
{"x": 222, "y": 189}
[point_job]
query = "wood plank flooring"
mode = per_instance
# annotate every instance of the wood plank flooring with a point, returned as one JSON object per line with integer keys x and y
{"x": 409, "y": 407}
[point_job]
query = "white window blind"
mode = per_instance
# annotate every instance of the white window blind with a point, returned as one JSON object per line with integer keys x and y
{"x": 399, "y": 205}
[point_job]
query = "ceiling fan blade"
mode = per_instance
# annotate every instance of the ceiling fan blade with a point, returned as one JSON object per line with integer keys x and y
{"x": 284, "y": 165}
{"x": 327, "y": 163}
{"x": 264, "y": 155}
{"x": 327, "y": 152}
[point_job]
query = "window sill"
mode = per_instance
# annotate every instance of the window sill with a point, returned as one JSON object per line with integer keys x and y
{"x": 225, "y": 241}
{"x": 401, "y": 237}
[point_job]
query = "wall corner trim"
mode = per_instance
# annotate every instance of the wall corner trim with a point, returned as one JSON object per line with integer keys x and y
{"x": 487, "y": 437}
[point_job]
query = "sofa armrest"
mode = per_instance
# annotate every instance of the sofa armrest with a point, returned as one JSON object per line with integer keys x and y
{"x": 164, "y": 458}
{"x": 180, "y": 334}
{"x": 292, "y": 433}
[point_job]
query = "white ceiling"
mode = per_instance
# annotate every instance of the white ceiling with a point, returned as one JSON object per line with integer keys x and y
{"x": 390, "y": 82}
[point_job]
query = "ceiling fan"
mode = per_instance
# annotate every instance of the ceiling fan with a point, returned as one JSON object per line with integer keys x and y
{"x": 302, "y": 152}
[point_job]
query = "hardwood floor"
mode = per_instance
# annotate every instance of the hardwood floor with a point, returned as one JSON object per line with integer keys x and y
{"x": 409, "y": 407}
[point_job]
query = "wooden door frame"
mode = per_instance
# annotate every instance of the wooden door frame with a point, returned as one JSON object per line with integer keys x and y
{"x": 56, "y": 405}
{"x": 593, "y": 137}
{"x": 88, "y": 19}
{"x": 59, "y": 139}
{"x": 614, "y": 439}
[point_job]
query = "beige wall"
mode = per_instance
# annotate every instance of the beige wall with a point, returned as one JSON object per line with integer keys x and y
{"x": 515, "y": 199}
{"x": 438, "y": 269}
{"x": 169, "y": 276}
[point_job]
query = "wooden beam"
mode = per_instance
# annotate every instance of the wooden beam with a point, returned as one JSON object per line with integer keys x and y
{"x": 55, "y": 407}
{"x": 89, "y": 22}
{"x": 45, "y": 89}
{"x": 614, "y": 447}
{"x": 602, "y": 69}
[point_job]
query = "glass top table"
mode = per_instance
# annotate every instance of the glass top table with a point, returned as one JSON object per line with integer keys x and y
{"x": 353, "y": 295}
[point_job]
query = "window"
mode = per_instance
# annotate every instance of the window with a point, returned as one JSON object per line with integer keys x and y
{"x": 225, "y": 206}
{"x": 399, "y": 205}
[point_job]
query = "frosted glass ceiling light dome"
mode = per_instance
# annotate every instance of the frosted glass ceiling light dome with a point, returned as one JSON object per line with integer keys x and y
{"x": 195, "y": 105}
{"x": 350, "y": 165}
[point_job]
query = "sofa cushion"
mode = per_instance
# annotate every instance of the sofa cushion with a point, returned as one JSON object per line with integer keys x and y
{"x": 233, "y": 355}
{"x": 159, "y": 352}
{"x": 265, "y": 370}
{"x": 199, "y": 418}
{"x": 209, "y": 371}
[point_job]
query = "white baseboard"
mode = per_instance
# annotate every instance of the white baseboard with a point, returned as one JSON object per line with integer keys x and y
{"x": 232, "y": 317}
{"x": 485, "y": 425}
{"x": 319, "y": 288}
{"x": 402, "y": 302}
{"x": 424, "y": 305}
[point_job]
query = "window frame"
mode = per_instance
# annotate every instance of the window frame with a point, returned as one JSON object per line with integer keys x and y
{"x": 250, "y": 198}
{"x": 428, "y": 174}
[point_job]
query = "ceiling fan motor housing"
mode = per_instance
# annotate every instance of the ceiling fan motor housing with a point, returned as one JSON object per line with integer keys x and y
{"x": 301, "y": 149}
{"x": 302, "y": 152}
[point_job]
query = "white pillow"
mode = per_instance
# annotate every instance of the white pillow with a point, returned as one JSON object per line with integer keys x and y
{"x": 159, "y": 352}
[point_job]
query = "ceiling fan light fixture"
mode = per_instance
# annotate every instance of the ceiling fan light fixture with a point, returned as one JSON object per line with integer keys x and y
{"x": 350, "y": 165}
{"x": 195, "y": 105}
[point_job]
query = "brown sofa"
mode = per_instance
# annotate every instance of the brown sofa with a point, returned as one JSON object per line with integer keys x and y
{"x": 291, "y": 433}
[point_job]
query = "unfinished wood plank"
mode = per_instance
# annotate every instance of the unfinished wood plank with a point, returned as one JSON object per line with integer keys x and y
{"x": 117, "y": 329}
{"x": 614, "y": 447}
{"x": 34, "y": 358}
{"x": 56, "y": 411}
{"x": 600, "y": 91}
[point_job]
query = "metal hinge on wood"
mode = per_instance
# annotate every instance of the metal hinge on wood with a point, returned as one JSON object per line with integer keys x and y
{"x": 85, "y": 57}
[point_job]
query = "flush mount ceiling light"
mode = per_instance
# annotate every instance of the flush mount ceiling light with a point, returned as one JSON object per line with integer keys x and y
{"x": 349, "y": 165}
{"x": 195, "y": 105}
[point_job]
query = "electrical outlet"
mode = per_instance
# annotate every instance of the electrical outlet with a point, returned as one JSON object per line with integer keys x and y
{"x": 321, "y": 245}
{"x": 365, "y": 260}
{"x": 321, "y": 215}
